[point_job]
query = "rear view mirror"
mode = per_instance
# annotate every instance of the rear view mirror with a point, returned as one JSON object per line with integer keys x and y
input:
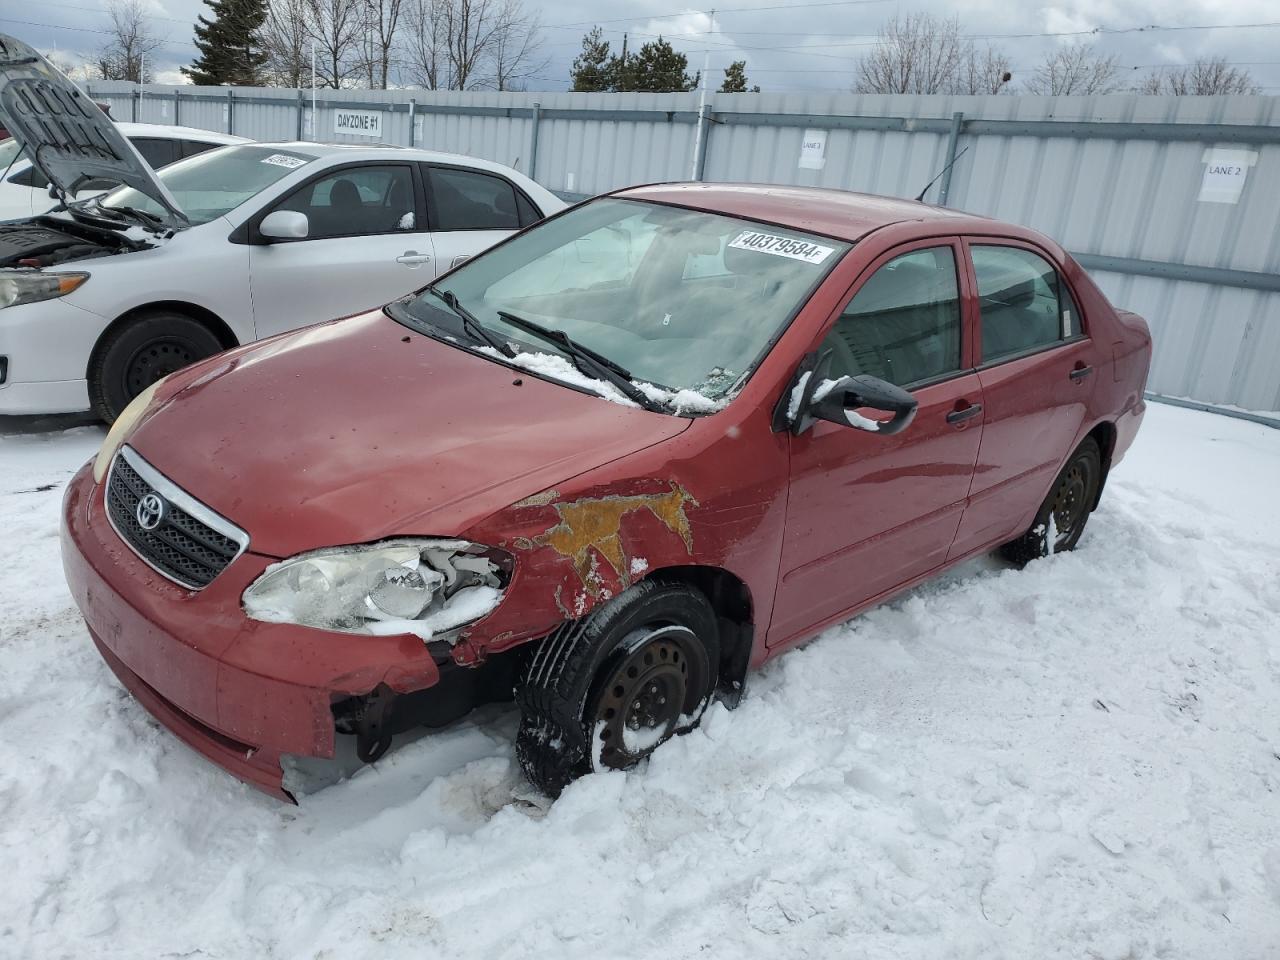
{"x": 837, "y": 401}
{"x": 285, "y": 225}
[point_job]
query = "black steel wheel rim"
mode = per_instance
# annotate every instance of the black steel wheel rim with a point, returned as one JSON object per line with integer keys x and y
{"x": 644, "y": 695}
{"x": 156, "y": 359}
{"x": 1070, "y": 504}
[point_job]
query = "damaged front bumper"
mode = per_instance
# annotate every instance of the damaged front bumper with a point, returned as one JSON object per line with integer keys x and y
{"x": 245, "y": 694}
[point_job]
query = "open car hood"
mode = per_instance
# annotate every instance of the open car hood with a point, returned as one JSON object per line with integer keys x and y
{"x": 64, "y": 133}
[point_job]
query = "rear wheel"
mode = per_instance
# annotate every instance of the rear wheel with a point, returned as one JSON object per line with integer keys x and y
{"x": 605, "y": 692}
{"x": 137, "y": 354}
{"x": 1062, "y": 517}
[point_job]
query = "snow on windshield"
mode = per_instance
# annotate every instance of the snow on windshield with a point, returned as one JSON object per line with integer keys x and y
{"x": 687, "y": 301}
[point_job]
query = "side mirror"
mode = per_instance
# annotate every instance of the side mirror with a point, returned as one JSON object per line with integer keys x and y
{"x": 837, "y": 401}
{"x": 285, "y": 225}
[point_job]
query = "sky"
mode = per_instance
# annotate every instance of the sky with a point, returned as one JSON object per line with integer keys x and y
{"x": 808, "y": 45}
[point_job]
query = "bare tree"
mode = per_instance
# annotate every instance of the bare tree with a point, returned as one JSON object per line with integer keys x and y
{"x": 124, "y": 55}
{"x": 516, "y": 48}
{"x": 471, "y": 44}
{"x": 425, "y": 46}
{"x": 382, "y": 21}
{"x": 1076, "y": 69}
{"x": 982, "y": 71}
{"x": 335, "y": 26}
{"x": 918, "y": 53}
{"x": 286, "y": 37}
{"x": 1206, "y": 77}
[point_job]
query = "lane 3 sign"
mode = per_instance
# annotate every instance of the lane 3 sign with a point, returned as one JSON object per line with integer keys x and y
{"x": 358, "y": 123}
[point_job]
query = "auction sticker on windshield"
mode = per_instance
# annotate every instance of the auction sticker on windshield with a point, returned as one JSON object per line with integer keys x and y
{"x": 781, "y": 246}
{"x": 284, "y": 160}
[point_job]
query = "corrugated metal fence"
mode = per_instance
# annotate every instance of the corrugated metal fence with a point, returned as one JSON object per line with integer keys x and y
{"x": 1118, "y": 180}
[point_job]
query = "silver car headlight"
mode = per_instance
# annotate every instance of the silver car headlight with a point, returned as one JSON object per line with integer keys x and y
{"x": 424, "y": 587}
{"x": 30, "y": 286}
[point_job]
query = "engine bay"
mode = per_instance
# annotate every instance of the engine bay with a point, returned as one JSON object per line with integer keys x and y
{"x": 46, "y": 242}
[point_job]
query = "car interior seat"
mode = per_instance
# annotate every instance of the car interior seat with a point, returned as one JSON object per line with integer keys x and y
{"x": 901, "y": 326}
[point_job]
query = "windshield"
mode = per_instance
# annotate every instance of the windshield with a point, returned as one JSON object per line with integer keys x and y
{"x": 682, "y": 300}
{"x": 215, "y": 182}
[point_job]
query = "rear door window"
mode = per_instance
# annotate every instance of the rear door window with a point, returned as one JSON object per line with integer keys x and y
{"x": 470, "y": 200}
{"x": 1025, "y": 305}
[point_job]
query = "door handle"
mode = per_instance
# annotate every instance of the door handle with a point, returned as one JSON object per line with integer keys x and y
{"x": 1079, "y": 373}
{"x": 964, "y": 413}
{"x": 413, "y": 258}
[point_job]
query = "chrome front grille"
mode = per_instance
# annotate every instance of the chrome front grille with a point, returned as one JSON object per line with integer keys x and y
{"x": 183, "y": 539}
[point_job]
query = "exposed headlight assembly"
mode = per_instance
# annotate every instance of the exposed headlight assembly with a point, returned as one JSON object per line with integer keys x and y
{"x": 30, "y": 286}
{"x": 419, "y": 586}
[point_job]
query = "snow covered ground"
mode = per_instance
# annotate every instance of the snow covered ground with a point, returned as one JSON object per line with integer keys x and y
{"x": 1076, "y": 760}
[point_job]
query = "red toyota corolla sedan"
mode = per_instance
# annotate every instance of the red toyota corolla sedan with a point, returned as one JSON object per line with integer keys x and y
{"x": 611, "y": 464}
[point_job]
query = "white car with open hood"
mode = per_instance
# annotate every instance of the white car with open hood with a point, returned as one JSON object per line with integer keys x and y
{"x": 102, "y": 297}
{"x": 24, "y": 190}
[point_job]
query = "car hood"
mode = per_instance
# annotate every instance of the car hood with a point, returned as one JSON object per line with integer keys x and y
{"x": 358, "y": 429}
{"x": 65, "y": 134}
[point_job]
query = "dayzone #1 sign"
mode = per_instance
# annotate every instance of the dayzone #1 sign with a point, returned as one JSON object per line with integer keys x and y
{"x": 358, "y": 123}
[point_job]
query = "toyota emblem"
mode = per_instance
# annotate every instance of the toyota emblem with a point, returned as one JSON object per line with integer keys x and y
{"x": 151, "y": 511}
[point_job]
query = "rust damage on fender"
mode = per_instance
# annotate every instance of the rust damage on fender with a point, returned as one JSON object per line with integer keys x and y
{"x": 594, "y": 525}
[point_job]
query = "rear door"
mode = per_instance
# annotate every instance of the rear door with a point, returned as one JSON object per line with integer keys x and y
{"x": 867, "y": 513}
{"x": 1037, "y": 367}
{"x": 471, "y": 210}
{"x": 365, "y": 248}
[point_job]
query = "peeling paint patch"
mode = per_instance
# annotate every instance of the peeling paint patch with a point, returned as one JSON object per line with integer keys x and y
{"x": 592, "y": 527}
{"x": 543, "y": 499}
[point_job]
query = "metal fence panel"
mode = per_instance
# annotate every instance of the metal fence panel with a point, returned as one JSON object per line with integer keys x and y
{"x": 1113, "y": 176}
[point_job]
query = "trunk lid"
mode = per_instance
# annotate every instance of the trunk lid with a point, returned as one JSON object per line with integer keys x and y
{"x": 64, "y": 133}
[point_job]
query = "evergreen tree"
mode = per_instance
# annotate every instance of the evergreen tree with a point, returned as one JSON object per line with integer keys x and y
{"x": 735, "y": 79}
{"x": 593, "y": 69}
{"x": 658, "y": 68}
{"x": 230, "y": 48}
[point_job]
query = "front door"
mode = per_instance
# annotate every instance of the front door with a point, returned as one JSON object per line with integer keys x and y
{"x": 867, "y": 513}
{"x": 365, "y": 248}
{"x": 1037, "y": 372}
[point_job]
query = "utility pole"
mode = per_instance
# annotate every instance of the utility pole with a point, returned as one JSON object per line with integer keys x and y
{"x": 622, "y": 71}
{"x": 702, "y": 100}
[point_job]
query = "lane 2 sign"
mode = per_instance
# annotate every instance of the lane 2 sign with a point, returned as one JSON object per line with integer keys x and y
{"x": 358, "y": 123}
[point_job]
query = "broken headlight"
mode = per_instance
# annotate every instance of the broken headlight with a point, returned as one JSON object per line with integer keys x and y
{"x": 423, "y": 587}
{"x": 29, "y": 286}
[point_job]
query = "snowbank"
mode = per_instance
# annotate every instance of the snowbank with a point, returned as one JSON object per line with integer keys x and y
{"x": 1078, "y": 760}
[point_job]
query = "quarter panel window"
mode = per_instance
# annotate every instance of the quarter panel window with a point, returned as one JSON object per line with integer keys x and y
{"x": 357, "y": 201}
{"x": 903, "y": 324}
{"x": 1024, "y": 304}
{"x": 468, "y": 200}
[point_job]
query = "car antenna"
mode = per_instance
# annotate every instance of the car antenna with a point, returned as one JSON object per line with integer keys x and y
{"x": 920, "y": 196}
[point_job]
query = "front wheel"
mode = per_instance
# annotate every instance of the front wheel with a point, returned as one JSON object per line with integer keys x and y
{"x": 605, "y": 692}
{"x": 1064, "y": 513}
{"x": 137, "y": 354}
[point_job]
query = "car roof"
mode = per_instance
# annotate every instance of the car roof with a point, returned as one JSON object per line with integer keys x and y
{"x": 377, "y": 149}
{"x": 167, "y": 132}
{"x": 833, "y": 213}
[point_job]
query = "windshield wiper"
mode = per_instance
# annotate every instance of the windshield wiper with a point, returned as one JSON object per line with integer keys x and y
{"x": 586, "y": 360}
{"x": 474, "y": 327}
{"x": 139, "y": 216}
